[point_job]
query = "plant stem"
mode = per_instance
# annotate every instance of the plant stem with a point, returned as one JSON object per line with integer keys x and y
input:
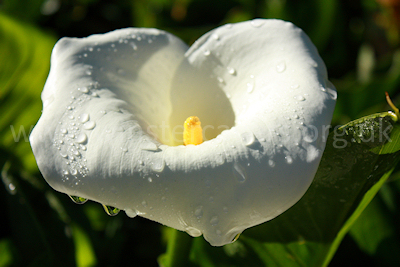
{"x": 178, "y": 249}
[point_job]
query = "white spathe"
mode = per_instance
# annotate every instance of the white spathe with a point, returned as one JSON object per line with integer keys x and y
{"x": 114, "y": 104}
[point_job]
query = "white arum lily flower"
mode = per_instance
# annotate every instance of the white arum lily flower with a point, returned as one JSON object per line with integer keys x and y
{"x": 113, "y": 112}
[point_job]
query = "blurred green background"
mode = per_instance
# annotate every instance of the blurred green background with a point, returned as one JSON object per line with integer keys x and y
{"x": 359, "y": 41}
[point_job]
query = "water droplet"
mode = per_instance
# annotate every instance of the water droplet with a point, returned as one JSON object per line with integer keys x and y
{"x": 84, "y": 90}
{"x": 150, "y": 146}
{"x": 65, "y": 172}
{"x": 124, "y": 149}
{"x": 121, "y": 72}
{"x": 78, "y": 200}
{"x": 214, "y": 220}
{"x": 74, "y": 171}
{"x": 256, "y": 23}
{"x": 295, "y": 116}
{"x": 193, "y": 231}
{"x": 158, "y": 165}
{"x": 215, "y": 36}
{"x": 89, "y": 125}
{"x": 206, "y": 52}
{"x": 248, "y": 138}
{"x": 144, "y": 203}
{"x": 112, "y": 211}
{"x": 133, "y": 45}
{"x": 81, "y": 138}
{"x": 294, "y": 86}
{"x": 63, "y": 154}
{"x": 72, "y": 136}
{"x": 63, "y": 130}
{"x": 130, "y": 213}
{"x": 332, "y": 94}
{"x": 250, "y": 87}
{"x": 231, "y": 71}
{"x": 198, "y": 212}
{"x": 150, "y": 179}
{"x": 239, "y": 172}
{"x": 271, "y": 163}
{"x": 71, "y": 117}
{"x": 220, "y": 80}
{"x": 88, "y": 72}
{"x": 299, "y": 98}
{"x": 83, "y": 117}
{"x": 289, "y": 159}
{"x": 281, "y": 67}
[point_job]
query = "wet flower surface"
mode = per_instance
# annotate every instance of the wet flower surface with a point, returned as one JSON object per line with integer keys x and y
{"x": 113, "y": 113}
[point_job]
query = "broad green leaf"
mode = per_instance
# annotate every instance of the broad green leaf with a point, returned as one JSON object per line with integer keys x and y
{"x": 25, "y": 60}
{"x": 352, "y": 170}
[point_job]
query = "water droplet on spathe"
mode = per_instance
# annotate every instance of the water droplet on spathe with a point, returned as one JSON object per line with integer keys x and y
{"x": 121, "y": 72}
{"x": 89, "y": 125}
{"x": 271, "y": 163}
{"x": 81, "y": 138}
{"x": 281, "y": 67}
{"x": 231, "y": 71}
{"x": 78, "y": 200}
{"x": 84, "y": 90}
{"x": 250, "y": 87}
{"x": 248, "y": 138}
{"x": 130, "y": 213}
{"x": 83, "y": 117}
{"x": 256, "y": 23}
{"x": 112, "y": 211}
{"x": 198, "y": 212}
{"x": 214, "y": 220}
{"x": 206, "y": 52}
{"x": 299, "y": 98}
{"x": 239, "y": 172}
{"x": 194, "y": 232}
{"x": 289, "y": 159}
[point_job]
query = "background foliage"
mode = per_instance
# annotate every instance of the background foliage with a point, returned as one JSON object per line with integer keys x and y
{"x": 358, "y": 40}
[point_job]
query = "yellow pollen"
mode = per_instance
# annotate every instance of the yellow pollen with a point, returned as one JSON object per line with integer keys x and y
{"x": 192, "y": 133}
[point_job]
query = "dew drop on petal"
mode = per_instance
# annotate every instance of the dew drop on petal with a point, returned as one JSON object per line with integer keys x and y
{"x": 239, "y": 172}
{"x": 256, "y": 23}
{"x": 215, "y": 36}
{"x": 271, "y": 163}
{"x": 83, "y": 117}
{"x": 299, "y": 98}
{"x": 248, "y": 138}
{"x": 89, "y": 125}
{"x": 281, "y": 67}
{"x": 198, "y": 212}
{"x": 194, "y": 232}
{"x": 130, "y": 213}
{"x": 74, "y": 172}
{"x": 121, "y": 72}
{"x": 150, "y": 146}
{"x": 84, "y": 90}
{"x": 112, "y": 211}
{"x": 63, "y": 130}
{"x": 231, "y": 71}
{"x": 81, "y": 138}
{"x": 78, "y": 200}
{"x": 332, "y": 94}
{"x": 214, "y": 220}
{"x": 158, "y": 165}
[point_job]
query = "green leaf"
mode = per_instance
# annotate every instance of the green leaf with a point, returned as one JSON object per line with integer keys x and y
{"x": 357, "y": 161}
{"x": 25, "y": 60}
